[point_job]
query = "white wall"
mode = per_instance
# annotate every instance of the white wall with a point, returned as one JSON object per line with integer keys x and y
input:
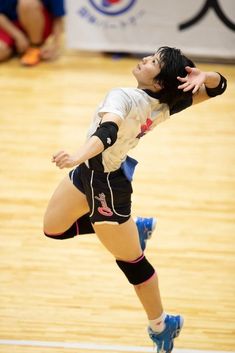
{"x": 141, "y": 26}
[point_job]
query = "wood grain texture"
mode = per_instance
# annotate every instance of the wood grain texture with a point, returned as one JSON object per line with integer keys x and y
{"x": 72, "y": 290}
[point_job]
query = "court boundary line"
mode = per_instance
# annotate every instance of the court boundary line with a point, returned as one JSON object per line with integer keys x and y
{"x": 94, "y": 346}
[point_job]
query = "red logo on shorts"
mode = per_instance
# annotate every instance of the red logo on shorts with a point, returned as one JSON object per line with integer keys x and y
{"x": 104, "y": 209}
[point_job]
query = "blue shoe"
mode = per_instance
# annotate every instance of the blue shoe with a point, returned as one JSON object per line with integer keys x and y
{"x": 165, "y": 340}
{"x": 145, "y": 227}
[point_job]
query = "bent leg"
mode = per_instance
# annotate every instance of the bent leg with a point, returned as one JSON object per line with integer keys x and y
{"x": 122, "y": 241}
{"x": 32, "y": 19}
{"x": 66, "y": 205}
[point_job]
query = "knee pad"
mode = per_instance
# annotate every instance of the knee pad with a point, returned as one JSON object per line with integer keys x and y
{"x": 69, "y": 233}
{"x": 138, "y": 271}
{"x": 81, "y": 226}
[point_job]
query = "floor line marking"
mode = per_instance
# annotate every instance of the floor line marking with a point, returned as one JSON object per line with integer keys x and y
{"x": 101, "y": 347}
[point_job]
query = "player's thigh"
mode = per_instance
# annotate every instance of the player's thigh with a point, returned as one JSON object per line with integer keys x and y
{"x": 121, "y": 240}
{"x": 66, "y": 205}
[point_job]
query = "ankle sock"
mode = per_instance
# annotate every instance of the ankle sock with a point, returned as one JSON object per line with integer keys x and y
{"x": 158, "y": 325}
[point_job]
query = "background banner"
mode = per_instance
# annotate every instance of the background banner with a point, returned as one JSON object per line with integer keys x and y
{"x": 204, "y": 28}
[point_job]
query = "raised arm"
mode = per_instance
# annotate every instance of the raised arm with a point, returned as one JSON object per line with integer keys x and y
{"x": 203, "y": 84}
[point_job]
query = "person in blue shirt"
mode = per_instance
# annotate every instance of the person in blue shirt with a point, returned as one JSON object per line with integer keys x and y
{"x": 31, "y": 28}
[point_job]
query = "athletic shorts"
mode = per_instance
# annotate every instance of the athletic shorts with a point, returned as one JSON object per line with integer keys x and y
{"x": 7, "y": 39}
{"x": 108, "y": 194}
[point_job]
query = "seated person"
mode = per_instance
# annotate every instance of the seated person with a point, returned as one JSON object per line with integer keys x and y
{"x": 31, "y": 28}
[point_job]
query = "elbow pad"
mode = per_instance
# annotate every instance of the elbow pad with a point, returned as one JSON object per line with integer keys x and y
{"x": 107, "y": 133}
{"x": 216, "y": 91}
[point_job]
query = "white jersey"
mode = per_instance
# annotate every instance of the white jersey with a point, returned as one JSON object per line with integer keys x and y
{"x": 140, "y": 113}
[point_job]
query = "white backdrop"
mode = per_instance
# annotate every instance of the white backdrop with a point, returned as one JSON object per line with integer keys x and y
{"x": 141, "y": 26}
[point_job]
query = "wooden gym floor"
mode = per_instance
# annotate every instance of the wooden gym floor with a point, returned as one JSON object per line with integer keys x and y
{"x": 71, "y": 291}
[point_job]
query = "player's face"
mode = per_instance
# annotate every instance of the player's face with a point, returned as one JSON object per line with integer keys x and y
{"x": 146, "y": 70}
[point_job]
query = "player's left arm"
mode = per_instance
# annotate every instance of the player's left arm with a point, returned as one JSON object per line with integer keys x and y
{"x": 204, "y": 85}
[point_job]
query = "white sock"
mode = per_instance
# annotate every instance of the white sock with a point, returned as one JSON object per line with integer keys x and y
{"x": 158, "y": 325}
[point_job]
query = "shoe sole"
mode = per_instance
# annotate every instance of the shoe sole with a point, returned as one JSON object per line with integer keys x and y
{"x": 154, "y": 224}
{"x": 180, "y": 328}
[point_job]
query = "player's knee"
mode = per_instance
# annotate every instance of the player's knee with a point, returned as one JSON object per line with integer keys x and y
{"x": 137, "y": 271}
{"x": 51, "y": 235}
{"x": 50, "y": 229}
{"x": 68, "y": 233}
{"x": 29, "y": 5}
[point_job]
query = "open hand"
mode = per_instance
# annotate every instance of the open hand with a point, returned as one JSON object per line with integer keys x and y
{"x": 193, "y": 81}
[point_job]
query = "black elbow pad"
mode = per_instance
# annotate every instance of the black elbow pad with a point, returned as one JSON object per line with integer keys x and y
{"x": 107, "y": 133}
{"x": 213, "y": 92}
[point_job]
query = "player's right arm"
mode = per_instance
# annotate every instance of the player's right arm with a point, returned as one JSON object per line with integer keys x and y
{"x": 93, "y": 146}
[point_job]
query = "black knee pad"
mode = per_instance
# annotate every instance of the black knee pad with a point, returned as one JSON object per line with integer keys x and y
{"x": 137, "y": 271}
{"x": 69, "y": 233}
{"x": 81, "y": 226}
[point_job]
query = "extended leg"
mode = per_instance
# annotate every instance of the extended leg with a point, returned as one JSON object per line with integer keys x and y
{"x": 123, "y": 242}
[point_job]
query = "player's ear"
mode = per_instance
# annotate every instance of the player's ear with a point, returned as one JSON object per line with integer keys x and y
{"x": 157, "y": 85}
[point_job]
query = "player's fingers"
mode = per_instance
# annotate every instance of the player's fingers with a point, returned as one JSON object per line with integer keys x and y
{"x": 189, "y": 87}
{"x": 61, "y": 160}
{"x": 181, "y": 79}
{"x": 189, "y": 69}
{"x": 184, "y": 85}
{"x": 196, "y": 88}
{"x": 57, "y": 155}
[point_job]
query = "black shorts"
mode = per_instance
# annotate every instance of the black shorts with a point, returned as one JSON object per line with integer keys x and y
{"x": 108, "y": 194}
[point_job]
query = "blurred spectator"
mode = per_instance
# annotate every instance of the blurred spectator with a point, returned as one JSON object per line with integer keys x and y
{"x": 31, "y": 28}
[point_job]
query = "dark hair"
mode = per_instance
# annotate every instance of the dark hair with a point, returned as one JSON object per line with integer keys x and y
{"x": 172, "y": 63}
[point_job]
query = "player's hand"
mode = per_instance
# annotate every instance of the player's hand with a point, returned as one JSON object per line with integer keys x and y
{"x": 50, "y": 50}
{"x": 193, "y": 81}
{"x": 21, "y": 42}
{"x": 63, "y": 159}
